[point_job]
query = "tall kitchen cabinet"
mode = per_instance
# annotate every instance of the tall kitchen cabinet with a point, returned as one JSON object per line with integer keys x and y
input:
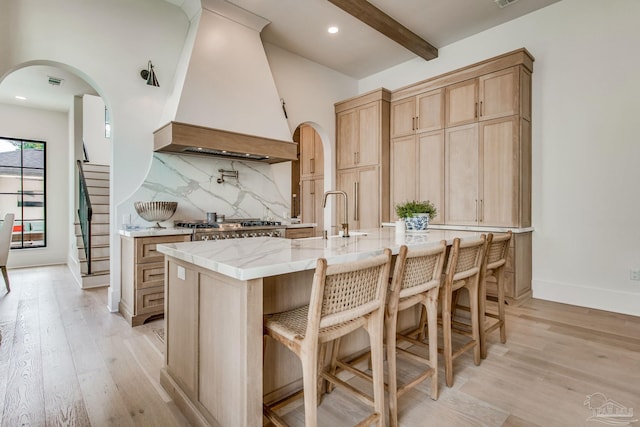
{"x": 417, "y": 150}
{"x": 311, "y": 177}
{"x": 463, "y": 141}
{"x": 362, "y": 158}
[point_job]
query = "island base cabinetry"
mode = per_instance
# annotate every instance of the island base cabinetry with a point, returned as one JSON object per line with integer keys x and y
{"x": 213, "y": 335}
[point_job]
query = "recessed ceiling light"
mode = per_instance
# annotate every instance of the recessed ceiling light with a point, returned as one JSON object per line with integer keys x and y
{"x": 332, "y": 30}
{"x": 21, "y": 98}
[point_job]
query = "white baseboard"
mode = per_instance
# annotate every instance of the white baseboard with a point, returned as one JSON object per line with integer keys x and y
{"x": 598, "y": 298}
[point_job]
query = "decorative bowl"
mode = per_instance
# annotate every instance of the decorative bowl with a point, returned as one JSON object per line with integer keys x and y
{"x": 156, "y": 211}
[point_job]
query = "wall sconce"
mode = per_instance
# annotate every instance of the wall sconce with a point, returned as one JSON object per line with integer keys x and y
{"x": 150, "y": 76}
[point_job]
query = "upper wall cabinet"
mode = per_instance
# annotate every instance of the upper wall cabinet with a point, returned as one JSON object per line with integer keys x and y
{"x": 421, "y": 113}
{"x": 487, "y": 97}
{"x": 359, "y": 132}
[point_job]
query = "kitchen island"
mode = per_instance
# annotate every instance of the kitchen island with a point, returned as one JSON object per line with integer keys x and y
{"x": 216, "y": 293}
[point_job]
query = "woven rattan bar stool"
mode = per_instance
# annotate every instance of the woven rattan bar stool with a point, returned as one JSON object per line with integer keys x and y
{"x": 462, "y": 272}
{"x": 344, "y": 297}
{"x": 493, "y": 271}
{"x": 416, "y": 280}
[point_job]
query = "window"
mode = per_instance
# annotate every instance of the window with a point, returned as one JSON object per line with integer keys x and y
{"x": 22, "y": 190}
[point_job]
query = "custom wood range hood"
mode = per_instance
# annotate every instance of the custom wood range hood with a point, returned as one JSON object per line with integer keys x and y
{"x": 183, "y": 138}
{"x": 224, "y": 101}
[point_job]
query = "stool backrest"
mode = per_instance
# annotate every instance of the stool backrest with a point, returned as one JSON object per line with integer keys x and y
{"x": 497, "y": 250}
{"x": 465, "y": 260}
{"x": 347, "y": 291}
{"x": 417, "y": 270}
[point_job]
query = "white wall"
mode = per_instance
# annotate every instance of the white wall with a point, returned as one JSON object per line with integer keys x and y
{"x": 586, "y": 96}
{"x": 98, "y": 146}
{"x": 52, "y": 128}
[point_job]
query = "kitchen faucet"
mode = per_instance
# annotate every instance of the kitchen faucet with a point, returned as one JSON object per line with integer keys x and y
{"x": 345, "y": 223}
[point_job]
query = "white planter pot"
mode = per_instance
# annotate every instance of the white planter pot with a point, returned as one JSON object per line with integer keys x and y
{"x": 418, "y": 222}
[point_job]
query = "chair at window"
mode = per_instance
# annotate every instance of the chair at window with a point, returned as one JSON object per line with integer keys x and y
{"x": 493, "y": 271}
{"x": 462, "y": 272}
{"x": 5, "y": 245}
{"x": 344, "y": 298}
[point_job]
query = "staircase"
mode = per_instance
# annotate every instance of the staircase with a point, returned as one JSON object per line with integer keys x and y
{"x": 97, "y": 179}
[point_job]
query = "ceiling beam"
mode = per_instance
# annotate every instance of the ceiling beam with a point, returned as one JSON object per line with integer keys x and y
{"x": 383, "y": 23}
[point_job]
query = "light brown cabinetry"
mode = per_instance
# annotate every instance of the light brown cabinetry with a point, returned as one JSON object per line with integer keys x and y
{"x": 311, "y": 177}
{"x": 299, "y": 232}
{"x": 142, "y": 276}
{"x": 362, "y": 159}
{"x": 417, "y": 114}
{"x": 363, "y": 194}
{"x": 483, "y": 174}
{"x": 417, "y": 168}
{"x": 487, "y": 97}
{"x": 311, "y": 153}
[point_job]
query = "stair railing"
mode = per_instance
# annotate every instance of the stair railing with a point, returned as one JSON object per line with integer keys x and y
{"x": 85, "y": 213}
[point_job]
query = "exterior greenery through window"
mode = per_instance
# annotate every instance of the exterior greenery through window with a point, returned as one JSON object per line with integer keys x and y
{"x": 22, "y": 190}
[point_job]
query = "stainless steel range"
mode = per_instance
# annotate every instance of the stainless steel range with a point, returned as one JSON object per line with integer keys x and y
{"x": 233, "y": 229}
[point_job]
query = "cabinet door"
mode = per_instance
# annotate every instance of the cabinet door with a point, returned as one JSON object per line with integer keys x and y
{"x": 368, "y": 135}
{"x": 431, "y": 171}
{"x": 403, "y": 115}
{"x": 367, "y": 198}
{"x": 500, "y": 172}
{"x": 461, "y": 182}
{"x": 312, "y": 210}
{"x": 462, "y": 103}
{"x": 347, "y": 182}
{"x": 430, "y": 114}
{"x": 499, "y": 94}
{"x": 403, "y": 170}
{"x": 311, "y": 152}
{"x": 347, "y": 139}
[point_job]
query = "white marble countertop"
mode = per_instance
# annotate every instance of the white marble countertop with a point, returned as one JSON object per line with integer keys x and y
{"x": 147, "y": 232}
{"x": 246, "y": 259}
{"x": 478, "y": 228}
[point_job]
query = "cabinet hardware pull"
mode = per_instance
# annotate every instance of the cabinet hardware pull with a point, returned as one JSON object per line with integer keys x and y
{"x": 356, "y": 207}
{"x": 413, "y": 123}
{"x": 480, "y": 108}
{"x": 312, "y": 165}
{"x": 476, "y": 210}
{"x": 481, "y": 210}
{"x": 476, "y": 111}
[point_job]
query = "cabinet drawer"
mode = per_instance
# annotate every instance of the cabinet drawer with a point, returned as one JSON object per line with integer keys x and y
{"x": 299, "y": 233}
{"x": 146, "y": 247}
{"x": 149, "y": 275}
{"x": 150, "y": 300}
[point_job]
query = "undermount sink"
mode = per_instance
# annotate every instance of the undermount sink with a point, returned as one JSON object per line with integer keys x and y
{"x": 351, "y": 234}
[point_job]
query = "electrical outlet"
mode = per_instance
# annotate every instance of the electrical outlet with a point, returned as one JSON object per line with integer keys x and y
{"x": 635, "y": 274}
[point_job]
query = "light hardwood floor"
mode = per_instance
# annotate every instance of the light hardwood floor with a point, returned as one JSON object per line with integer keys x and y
{"x": 64, "y": 360}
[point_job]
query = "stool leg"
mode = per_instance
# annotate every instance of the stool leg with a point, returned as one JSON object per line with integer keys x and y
{"x": 310, "y": 381}
{"x": 391, "y": 327}
{"x": 376, "y": 342}
{"x": 482, "y": 306}
{"x": 6, "y": 278}
{"x": 334, "y": 359}
{"x": 501, "y": 312}
{"x": 475, "y": 320}
{"x": 432, "y": 314}
{"x": 446, "y": 333}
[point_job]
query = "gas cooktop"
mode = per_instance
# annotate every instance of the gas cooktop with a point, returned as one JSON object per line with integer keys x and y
{"x": 229, "y": 224}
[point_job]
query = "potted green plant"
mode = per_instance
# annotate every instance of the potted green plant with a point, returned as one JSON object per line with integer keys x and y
{"x": 416, "y": 214}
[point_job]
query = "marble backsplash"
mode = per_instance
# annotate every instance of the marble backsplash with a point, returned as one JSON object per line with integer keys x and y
{"x": 192, "y": 182}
